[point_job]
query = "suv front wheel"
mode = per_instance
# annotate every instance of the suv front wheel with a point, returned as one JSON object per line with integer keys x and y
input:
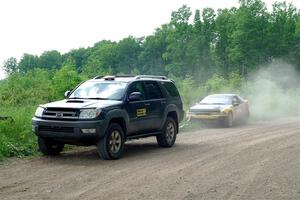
{"x": 111, "y": 147}
{"x": 168, "y": 136}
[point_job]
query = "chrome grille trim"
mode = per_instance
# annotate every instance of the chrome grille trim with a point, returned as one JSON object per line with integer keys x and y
{"x": 60, "y": 114}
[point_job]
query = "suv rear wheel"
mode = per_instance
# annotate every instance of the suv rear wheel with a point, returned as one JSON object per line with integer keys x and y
{"x": 49, "y": 147}
{"x": 168, "y": 136}
{"x": 111, "y": 147}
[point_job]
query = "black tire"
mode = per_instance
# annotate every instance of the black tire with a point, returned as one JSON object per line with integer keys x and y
{"x": 111, "y": 146}
{"x": 49, "y": 147}
{"x": 228, "y": 121}
{"x": 168, "y": 136}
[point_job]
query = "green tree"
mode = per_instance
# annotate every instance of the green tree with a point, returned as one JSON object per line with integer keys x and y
{"x": 151, "y": 57}
{"x": 102, "y": 59}
{"x": 50, "y": 59}
{"x": 224, "y": 30}
{"x": 10, "y": 65}
{"x": 178, "y": 38}
{"x": 248, "y": 46}
{"x": 127, "y": 54}
{"x": 282, "y": 31}
{"x": 65, "y": 79}
{"x": 28, "y": 62}
{"x": 79, "y": 56}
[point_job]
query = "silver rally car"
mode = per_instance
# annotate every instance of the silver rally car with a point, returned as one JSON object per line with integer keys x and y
{"x": 223, "y": 108}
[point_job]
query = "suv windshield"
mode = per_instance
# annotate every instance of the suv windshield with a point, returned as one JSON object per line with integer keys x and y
{"x": 99, "y": 90}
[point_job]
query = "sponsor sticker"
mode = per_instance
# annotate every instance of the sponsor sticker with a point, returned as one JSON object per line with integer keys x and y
{"x": 141, "y": 112}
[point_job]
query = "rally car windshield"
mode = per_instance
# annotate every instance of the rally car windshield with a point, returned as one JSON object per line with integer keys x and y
{"x": 100, "y": 90}
{"x": 216, "y": 100}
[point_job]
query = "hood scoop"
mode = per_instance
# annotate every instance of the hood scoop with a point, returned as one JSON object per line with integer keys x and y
{"x": 74, "y": 101}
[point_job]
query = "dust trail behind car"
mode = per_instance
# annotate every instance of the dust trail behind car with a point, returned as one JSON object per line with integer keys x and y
{"x": 273, "y": 91}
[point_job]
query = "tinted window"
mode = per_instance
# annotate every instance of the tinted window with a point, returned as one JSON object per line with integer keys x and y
{"x": 153, "y": 90}
{"x": 137, "y": 87}
{"x": 171, "y": 89}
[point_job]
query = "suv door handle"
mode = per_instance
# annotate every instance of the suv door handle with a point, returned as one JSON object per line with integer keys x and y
{"x": 147, "y": 104}
{"x": 163, "y": 102}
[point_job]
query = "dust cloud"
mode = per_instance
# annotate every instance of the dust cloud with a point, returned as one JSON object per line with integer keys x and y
{"x": 273, "y": 92}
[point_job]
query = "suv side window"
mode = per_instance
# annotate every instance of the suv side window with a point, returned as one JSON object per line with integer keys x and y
{"x": 153, "y": 90}
{"x": 170, "y": 88}
{"x": 137, "y": 87}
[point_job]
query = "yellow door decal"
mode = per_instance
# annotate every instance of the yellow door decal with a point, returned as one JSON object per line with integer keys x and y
{"x": 141, "y": 112}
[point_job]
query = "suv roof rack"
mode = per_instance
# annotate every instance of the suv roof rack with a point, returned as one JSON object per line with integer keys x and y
{"x": 151, "y": 76}
{"x": 98, "y": 77}
{"x": 112, "y": 77}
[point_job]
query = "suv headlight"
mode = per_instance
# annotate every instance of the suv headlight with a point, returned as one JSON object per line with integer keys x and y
{"x": 39, "y": 111}
{"x": 89, "y": 113}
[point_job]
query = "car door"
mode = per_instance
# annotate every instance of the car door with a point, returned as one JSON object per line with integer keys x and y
{"x": 237, "y": 107}
{"x": 137, "y": 110}
{"x": 156, "y": 104}
{"x": 244, "y": 107}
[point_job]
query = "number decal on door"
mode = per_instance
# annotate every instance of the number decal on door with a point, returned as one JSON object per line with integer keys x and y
{"x": 141, "y": 112}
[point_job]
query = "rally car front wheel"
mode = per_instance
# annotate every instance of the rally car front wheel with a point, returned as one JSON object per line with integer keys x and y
{"x": 228, "y": 121}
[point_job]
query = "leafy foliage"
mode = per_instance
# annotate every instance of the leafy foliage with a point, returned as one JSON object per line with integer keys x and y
{"x": 216, "y": 51}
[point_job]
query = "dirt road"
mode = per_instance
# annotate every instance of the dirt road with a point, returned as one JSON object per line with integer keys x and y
{"x": 257, "y": 161}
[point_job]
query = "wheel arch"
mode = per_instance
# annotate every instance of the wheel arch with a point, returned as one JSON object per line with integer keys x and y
{"x": 171, "y": 111}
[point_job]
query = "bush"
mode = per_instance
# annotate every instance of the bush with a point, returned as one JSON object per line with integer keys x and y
{"x": 16, "y": 137}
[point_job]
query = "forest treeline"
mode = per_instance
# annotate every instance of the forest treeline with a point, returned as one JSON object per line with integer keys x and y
{"x": 204, "y": 51}
{"x": 196, "y": 44}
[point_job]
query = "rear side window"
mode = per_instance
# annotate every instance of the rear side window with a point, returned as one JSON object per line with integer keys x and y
{"x": 153, "y": 90}
{"x": 171, "y": 89}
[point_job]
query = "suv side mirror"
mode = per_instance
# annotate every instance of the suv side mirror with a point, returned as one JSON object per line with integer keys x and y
{"x": 135, "y": 96}
{"x": 67, "y": 93}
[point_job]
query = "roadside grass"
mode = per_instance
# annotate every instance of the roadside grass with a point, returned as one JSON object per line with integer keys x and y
{"x": 16, "y": 137}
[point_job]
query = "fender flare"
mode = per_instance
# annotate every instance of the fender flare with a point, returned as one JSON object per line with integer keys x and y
{"x": 168, "y": 109}
{"x": 117, "y": 113}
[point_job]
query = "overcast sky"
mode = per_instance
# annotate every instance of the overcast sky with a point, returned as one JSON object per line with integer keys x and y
{"x": 34, "y": 26}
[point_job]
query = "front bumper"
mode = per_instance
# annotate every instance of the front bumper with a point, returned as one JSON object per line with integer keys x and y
{"x": 69, "y": 131}
{"x": 206, "y": 117}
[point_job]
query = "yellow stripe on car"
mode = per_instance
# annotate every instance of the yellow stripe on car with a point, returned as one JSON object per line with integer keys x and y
{"x": 227, "y": 109}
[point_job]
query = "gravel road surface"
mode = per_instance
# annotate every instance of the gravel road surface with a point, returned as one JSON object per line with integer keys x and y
{"x": 258, "y": 161}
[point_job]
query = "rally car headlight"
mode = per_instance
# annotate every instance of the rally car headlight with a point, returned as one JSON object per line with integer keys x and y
{"x": 89, "y": 113}
{"x": 39, "y": 111}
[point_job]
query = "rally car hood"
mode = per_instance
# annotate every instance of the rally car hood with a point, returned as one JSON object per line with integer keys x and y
{"x": 208, "y": 108}
{"x": 81, "y": 103}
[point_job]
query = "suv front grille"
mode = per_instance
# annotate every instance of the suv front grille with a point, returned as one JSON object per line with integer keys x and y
{"x": 61, "y": 113}
{"x": 56, "y": 129}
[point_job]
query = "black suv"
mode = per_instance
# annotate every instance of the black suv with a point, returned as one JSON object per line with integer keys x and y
{"x": 107, "y": 111}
